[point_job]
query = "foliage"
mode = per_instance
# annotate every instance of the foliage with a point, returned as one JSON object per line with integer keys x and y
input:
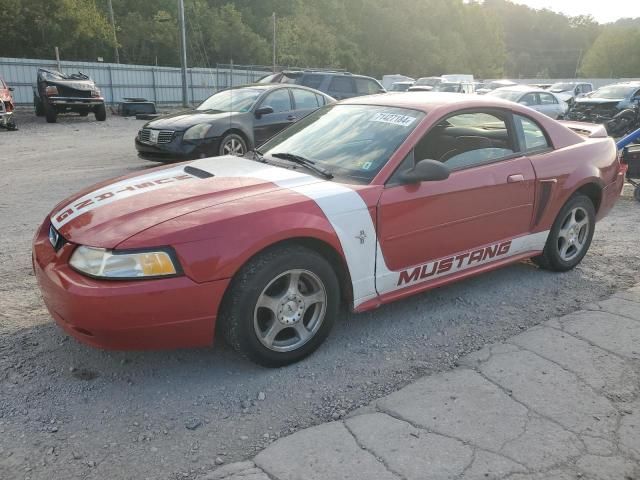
{"x": 490, "y": 38}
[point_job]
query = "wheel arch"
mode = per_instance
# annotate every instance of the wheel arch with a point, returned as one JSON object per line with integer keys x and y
{"x": 593, "y": 191}
{"x": 326, "y": 250}
{"x": 238, "y": 131}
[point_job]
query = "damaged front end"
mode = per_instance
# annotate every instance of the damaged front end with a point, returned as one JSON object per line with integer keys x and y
{"x": 600, "y": 112}
{"x": 6, "y": 116}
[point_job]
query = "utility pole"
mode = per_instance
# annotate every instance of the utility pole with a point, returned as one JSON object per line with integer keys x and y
{"x": 113, "y": 27}
{"x": 274, "y": 42}
{"x": 183, "y": 53}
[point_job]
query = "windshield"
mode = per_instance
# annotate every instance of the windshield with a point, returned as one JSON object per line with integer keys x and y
{"x": 511, "y": 95}
{"x": 352, "y": 141}
{"x": 615, "y": 92}
{"x": 428, "y": 81}
{"x": 53, "y": 75}
{"x": 234, "y": 100}
{"x": 562, "y": 87}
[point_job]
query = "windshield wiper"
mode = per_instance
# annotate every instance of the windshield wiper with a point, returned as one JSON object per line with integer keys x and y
{"x": 300, "y": 160}
{"x": 257, "y": 155}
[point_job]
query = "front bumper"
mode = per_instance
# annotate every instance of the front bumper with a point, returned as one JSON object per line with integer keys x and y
{"x": 177, "y": 149}
{"x": 125, "y": 315}
{"x": 75, "y": 101}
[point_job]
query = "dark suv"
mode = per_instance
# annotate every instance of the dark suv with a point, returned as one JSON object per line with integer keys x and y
{"x": 339, "y": 85}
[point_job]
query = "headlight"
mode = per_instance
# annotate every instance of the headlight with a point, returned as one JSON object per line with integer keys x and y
{"x": 99, "y": 262}
{"x": 197, "y": 132}
{"x": 95, "y": 92}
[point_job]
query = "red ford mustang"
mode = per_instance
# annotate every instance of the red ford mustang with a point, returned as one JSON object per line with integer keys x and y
{"x": 362, "y": 202}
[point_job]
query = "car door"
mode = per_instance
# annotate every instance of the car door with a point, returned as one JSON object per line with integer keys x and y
{"x": 304, "y": 102}
{"x": 466, "y": 220}
{"x": 549, "y": 105}
{"x": 267, "y": 125}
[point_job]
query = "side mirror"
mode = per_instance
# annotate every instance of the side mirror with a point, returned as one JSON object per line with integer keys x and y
{"x": 266, "y": 110}
{"x": 426, "y": 171}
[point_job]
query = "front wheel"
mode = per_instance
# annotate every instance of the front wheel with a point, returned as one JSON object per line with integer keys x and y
{"x": 570, "y": 235}
{"x": 281, "y": 306}
{"x": 50, "y": 113}
{"x": 100, "y": 113}
{"x": 233, "y": 144}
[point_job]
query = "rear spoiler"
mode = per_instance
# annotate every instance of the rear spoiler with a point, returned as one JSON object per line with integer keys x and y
{"x": 591, "y": 130}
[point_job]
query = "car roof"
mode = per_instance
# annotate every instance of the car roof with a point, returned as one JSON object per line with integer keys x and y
{"x": 325, "y": 72}
{"x": 428, "y": 101}
{"x": 521, "y": 88}
{"x": 275, "y": 86}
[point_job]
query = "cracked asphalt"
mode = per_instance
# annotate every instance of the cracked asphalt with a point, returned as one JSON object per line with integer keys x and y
{"x": 69, "y": 411}
{"x": 559, "y": 401}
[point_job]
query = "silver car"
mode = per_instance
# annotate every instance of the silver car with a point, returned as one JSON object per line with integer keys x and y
{"x": 533, "y": 97}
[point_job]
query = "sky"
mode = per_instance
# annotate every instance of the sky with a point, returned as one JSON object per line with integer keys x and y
{"x": 602, "y": 10}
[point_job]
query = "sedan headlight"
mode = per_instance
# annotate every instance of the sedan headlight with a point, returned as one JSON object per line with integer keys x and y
{"x": 197, "y": 132}
{"x": 99, "y": 262}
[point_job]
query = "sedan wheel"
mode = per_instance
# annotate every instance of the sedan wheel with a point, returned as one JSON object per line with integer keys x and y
{"x": 233, "y": 144}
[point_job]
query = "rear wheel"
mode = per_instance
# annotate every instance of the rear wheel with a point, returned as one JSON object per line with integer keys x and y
{"x": 101, "y": 113}
{"x": 281, "y": 306}
{"x": 570, "y": 235}
{"x": 37, "y": 105}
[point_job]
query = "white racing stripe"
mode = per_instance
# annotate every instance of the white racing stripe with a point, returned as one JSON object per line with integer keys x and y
{"x": 117, "y": 191}
{"x": 343, "y": 207}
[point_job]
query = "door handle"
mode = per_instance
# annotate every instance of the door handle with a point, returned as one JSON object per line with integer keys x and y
{"x": 518, "y": 177}
{"x": 291, "y": 117}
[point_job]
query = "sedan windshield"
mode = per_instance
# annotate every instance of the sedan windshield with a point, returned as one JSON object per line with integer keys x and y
{"x": 614, "y": 92}
{"x": 511, "y": 95}
{"x": 352, "y": 141}
{"x": 234, "y": 100}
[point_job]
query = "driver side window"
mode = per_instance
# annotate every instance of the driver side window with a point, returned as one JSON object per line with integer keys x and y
{"x": 279, "y": 100}
{"x": 462, "y": 141}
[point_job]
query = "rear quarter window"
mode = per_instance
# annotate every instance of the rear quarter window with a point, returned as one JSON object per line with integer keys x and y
{"x": 532, "y": 135}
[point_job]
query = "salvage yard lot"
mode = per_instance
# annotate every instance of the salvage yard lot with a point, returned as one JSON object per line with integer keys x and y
{"x": 69, "y": 411}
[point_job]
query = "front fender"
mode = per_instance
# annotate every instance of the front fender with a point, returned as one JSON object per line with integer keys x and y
{"x": 214, "y": 243}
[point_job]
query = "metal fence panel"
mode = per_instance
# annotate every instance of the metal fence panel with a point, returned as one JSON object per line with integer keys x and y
{"x": 117, "y": 81}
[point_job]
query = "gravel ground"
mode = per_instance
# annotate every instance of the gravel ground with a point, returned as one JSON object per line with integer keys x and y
{"x": 69, "y": 411}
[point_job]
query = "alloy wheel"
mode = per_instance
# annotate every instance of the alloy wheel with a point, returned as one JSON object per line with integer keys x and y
{"x": 290, "y": 310}
{"x": 233, "y": 147}
{"x": 573, "y": 234}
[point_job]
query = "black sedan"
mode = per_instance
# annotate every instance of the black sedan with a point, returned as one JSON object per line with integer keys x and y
{"x": 229, "y": 122}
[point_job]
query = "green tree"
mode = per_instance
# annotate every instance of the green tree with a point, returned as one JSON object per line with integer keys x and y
{"x": 615, "y": 53}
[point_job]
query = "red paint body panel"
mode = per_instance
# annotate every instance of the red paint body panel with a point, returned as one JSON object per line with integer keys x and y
{"x": 215, "y": 225}
{"x": 476, "y": 206}
{"x": 125, "y": 315}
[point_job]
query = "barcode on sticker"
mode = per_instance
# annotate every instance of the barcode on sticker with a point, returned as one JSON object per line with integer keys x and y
{"x": 393, "y": 118}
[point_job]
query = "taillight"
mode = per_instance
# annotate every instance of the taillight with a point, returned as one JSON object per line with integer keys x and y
{"x": 51, "y": 90}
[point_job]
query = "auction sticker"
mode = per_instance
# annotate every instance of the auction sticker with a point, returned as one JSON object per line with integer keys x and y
{"x": 393, "y": 118}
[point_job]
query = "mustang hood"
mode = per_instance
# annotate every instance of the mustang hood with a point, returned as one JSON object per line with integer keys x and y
{"x": 106, "y": 215}
{"x": 183, "y": 120}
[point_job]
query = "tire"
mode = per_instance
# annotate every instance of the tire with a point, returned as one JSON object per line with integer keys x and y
{"x": 262, "y": 300}
{"x": 233, "y": 144}
{"x": 50, "y": 113}
{"x": 100, "y": 113}
{"x": 38, "y": 107}
{"x": 570, "y": 235}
